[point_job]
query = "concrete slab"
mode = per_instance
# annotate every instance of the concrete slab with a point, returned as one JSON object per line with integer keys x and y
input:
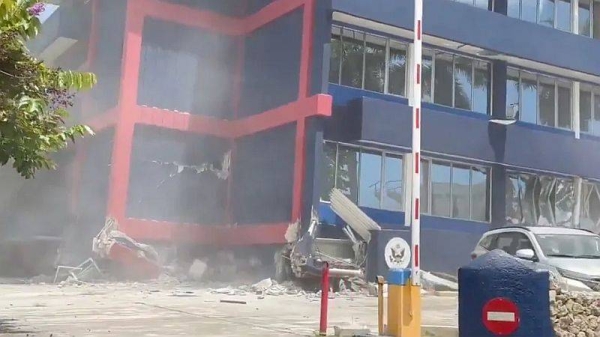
{"x": 157, "y": 310}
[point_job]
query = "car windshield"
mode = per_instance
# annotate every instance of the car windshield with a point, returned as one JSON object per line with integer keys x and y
{"x": 568, "y": 245}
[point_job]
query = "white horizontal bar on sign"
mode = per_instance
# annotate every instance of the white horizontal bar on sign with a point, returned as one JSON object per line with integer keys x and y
{"x": 498, "y": 316}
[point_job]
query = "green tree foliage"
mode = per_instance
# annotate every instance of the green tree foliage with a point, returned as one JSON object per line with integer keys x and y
{"x": 33, "y": 96}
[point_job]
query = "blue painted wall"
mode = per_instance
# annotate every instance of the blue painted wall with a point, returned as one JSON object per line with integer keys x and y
{"x": 263, "y": 176}
{"x": 489, "y": 30}
{"x": 272, "y": 65}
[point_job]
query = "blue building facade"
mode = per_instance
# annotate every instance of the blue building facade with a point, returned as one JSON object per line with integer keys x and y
{"x": 308, "y": 95}
{"x": 483, "y": 60}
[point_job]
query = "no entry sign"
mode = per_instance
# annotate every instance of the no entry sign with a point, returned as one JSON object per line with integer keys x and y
{"x": 501, "y": 316}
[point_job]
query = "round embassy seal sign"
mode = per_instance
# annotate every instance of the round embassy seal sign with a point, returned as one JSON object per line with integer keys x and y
{"x": 397, "y": 253}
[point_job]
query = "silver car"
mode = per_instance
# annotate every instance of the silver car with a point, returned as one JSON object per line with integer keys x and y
{"x": 572, "y": 256}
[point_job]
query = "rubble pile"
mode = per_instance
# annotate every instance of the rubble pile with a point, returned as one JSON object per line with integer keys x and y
{"x": 575, "y": 314}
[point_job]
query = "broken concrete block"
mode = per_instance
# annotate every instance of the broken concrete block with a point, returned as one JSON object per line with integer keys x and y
{"x": 197, "y": 270}
{"x": 262, "y": 285}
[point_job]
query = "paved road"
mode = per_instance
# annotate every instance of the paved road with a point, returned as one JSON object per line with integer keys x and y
{"x": 156, "y": 310}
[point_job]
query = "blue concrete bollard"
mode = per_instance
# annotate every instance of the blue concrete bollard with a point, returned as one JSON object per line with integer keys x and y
{"x": 500, "y": 296}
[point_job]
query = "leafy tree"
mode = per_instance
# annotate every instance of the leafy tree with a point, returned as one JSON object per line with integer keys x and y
{"x": 33, "y": 96}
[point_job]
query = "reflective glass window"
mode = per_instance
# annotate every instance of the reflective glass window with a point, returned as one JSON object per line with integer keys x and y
{"x": 427, "y": 75}
{"x": 440, "y": 189}
{"x": 585, "y": 16}
{"x": 529, "y": 97}
{"x": 545, "y": 12}
{"x": 347, "y": 172}
{"x": 514, "y": 8}
{"x": 425, "y": 179}
{"x": 336, "y": 57}
{"x": 328, "y": 168}
{"x": 461, "y": 195}
{"x": 397, "y": 69}
{"x": 370, "y": 179}
{"x": 392, "y": 183}
{"x": 547, "y": 101}
{"x": 443, "y": 78}
{"x": 463, "y": 83}
{"x": 375, "y": 49}
{"x": 563, "y": 15}
{"x": 529, "y": 9}
{"x": 564, "y": 104}
{"x": 585, "y": 110}
{"x": 352, "y": 58}
{"x": 512, "y": 93}
{"x": 479, "y": 194}
{"x": 481, "y": 87}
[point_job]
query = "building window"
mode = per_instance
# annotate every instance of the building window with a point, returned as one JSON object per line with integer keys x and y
{"x": 458, "y": 81}
{"x": 369, "y": 178}
{"x": 368, "y": 62}
{"x": 378, "y": 64}
{"x": 374, "y": 179}
{"x": 539, "y": 200}
{"x": 558, "y": 14}
{"x": 483, "y": 4}
{"x": 589, "y": 110}
{"x": 539, "y": 99}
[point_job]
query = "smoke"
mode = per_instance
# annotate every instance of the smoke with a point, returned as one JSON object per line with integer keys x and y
{"x": 175, "y": 176}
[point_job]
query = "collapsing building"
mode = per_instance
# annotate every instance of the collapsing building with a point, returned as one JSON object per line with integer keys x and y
{"x": 221, "y": 122}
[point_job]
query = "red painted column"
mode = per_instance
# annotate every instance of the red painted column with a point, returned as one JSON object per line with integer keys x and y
{"x": 303, "y": 92}
{"x": 127, "y": 112}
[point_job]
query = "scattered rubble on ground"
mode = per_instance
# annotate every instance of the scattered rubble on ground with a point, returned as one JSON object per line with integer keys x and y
{"x": 575, "y": 314}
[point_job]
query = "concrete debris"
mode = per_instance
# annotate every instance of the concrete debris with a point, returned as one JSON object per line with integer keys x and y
{"x": 351, "y": 332}
{"x": 263, "y": 285}
{"x": 221, "y": 170}
{"x": 291, "y": 234}
{"x": 575, "y": 314}
{"x": 137, "y": 259}
{"x": 197, "y": 270}
{"x": 431, "y": 282}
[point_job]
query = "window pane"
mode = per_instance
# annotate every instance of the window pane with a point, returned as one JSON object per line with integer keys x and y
{"x": 479, "y": 194}
{"x": 463, "y": 83}
{"x": 468, "y": 2}
{"x": 370, "y": 180}
{"x": 397, "y": 77}
{"x": 529, "y": 10}
{"x": 512, "y": 92}
{"x": 427, "y": 74}
{"x": 481, "y": 96}
{"x": 545, "y": 13}
{"x": 328, "y": 168}
{"x": 596, "y": 117}
{"x": 461, "y": 203}
{"x": 482, "y": 4}
{"x": 529, "y": 97}
{"x": 440, "y": 189}
{"x": 347, "y": 172}
{"x": 392, "y": 183}
{"x": 424, "y": 186}
{"x": 565, "y": 202}
{"x": 513, "y": 8}
{"x": 375, "y": 63}
{"x": 334, "y": 64}
{"x": 564, "y": 105}
{"x": 515, "y": 190}
{"x": 585, "y": 111}
{"x": 584, "y": 18}
{"x": 563, "y": 15}
{"x": 596, "y": 20}
{"x": 443, "y": 79}
{"x": 352, "y": 58}
{"x": 546, "y": 101}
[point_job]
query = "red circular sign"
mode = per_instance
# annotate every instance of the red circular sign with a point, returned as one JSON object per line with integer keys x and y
{"x": 501, "y": 316}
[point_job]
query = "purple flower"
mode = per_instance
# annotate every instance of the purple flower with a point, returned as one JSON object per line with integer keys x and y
{"x": 36, "y": 9}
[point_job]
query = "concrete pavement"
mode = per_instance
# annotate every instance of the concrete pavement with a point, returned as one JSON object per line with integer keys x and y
{"x": 159, "y": 310}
